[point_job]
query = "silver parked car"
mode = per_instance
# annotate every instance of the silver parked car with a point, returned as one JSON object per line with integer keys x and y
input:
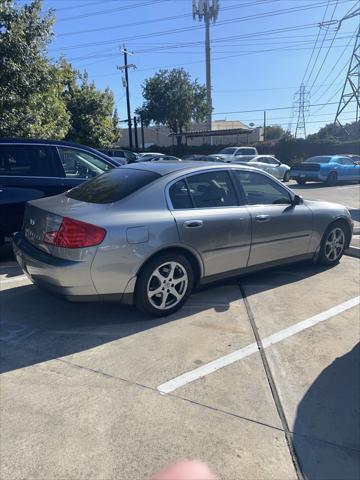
{"x": 148, "y": 233}
{"x": 270, "y": 165}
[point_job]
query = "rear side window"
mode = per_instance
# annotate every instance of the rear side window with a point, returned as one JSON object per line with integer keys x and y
{"x": 113, "y": 186}
{"x": 26, "y": 160}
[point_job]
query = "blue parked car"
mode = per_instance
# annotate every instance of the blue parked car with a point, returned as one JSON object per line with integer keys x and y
{"x": 327, "y": 168}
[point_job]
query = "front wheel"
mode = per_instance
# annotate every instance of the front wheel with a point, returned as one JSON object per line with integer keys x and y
{"x": 333, "y": 244}
{"x": 164, "y": 284}
{"x": 286, "y": 176}
{"x": 331, "y": 179}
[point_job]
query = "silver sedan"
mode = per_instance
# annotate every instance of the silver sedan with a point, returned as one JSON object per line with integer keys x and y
{"x": 270, "y": 165}
{"x": 149, "y": 233}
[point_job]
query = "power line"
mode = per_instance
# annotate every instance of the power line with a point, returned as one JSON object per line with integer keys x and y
{"x": 316, "y": 40}
{"x": 271, "y": 109}
{"x": 113, "y": 10}
{"x": 186, "y": 29}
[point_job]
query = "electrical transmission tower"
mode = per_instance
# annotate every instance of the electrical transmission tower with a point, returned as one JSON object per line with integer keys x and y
{"x": 301, "y": 107}
{"x": 351, "y": 89}
{"x": 207, "y": 10}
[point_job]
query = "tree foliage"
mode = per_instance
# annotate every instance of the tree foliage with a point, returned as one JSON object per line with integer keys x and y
{"x": 92, "y": 118}
{"x": 172, "y": 99}
{"x": 274, "y": 132}
{"x": 350, "y": 131}
{"x": 42, "y": 99}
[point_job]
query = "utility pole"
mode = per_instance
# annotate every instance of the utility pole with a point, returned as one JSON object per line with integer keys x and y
{"x": 142, "y": 134}
{"x": 136, "y": 135}
{"x": 126, "y": 67}
{"x": 207, "y": 10}
{"x": 264, "y": 135}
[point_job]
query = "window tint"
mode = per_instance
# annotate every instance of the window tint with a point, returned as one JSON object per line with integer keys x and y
{"x": 26, "y": 160}
{"x": 81, "y": 164}
{"x": 112, "y": 186}
{"x": 261, "y": 190}
{"x": 212, "y": 189}
{"x": 317, "y": 160}
{"x": 345, "y": 161}
{"x": 179, "y": 195}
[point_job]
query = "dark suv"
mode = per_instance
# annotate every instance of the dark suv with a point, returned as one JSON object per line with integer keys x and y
{"x": 31, "y": 169}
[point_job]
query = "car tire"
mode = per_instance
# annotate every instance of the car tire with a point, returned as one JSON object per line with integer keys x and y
{"x": 334, "y": 240}
{"x": 171, "y": 276}
{"x": 286, "y": 176}
{"x": 301, "y": 181}
{"x": 332, "y": 179}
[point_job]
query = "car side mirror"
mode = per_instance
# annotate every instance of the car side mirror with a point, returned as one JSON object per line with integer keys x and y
{"x": 297, "y": 200}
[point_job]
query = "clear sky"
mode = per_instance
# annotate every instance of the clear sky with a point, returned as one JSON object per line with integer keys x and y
{"x": 260, "y": 51}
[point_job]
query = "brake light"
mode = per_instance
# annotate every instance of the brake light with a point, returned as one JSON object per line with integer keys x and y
{"x": 75, "y": 234}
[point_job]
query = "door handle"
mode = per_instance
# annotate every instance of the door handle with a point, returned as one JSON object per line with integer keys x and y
{"x": 193, "y": 223}
{"x": 262, "y": 218}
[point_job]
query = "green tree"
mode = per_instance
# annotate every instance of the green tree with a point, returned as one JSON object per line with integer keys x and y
{"x": 172, "y": 99}
{"x": 350, "y": 131}
{"x": 93, "y": 119}
{"x": 274, "y": 132}
{"x": 25, "y": 73}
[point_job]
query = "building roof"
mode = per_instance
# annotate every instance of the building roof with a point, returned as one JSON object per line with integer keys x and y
{"x": 212, "y": 133}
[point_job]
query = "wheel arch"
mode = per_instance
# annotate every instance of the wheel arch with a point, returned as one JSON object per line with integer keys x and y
{"x": 345, "y": 224}
{"x": 192, "y": 257}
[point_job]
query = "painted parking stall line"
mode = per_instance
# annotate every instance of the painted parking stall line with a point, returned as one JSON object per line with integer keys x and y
{"x": 18, "y": 278}
{"x": 226, "y": 360}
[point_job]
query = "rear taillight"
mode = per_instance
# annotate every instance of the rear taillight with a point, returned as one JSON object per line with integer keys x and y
{"x": 75, "y": 234}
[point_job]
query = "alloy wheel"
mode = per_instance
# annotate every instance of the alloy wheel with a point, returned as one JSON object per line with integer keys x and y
{"x": 334, "y": 244}
{"x": 167, "y": 285}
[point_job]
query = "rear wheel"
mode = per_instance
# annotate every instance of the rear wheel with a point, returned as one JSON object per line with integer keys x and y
{"x": 331, "y": 179}
{"x": 301, "y": 181}
{"x": 333, "y": 244}
{"x": 286, "y": 176}
{"x": 164, "y": 284}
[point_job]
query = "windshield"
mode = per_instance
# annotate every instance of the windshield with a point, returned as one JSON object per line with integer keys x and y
{"x": 228, "y": 150}
{"x": 317, "y": 160}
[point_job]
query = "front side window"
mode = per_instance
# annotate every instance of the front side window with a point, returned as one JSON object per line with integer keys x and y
{"x": 345, "y": 161}
{"x": 26, "y": 160}
{"x": 81, "y": 164}
{"x": 112, "y": 186}
{"x": 261, "y": 190}
{"x": 212, "y": 189}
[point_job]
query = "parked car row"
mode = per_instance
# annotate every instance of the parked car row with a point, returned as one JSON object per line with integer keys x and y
{"x": 32, "y": 169}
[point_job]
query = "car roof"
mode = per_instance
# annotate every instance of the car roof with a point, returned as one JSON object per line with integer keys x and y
{"x": 167, "y": 168}
{"x": 64, "y": 143}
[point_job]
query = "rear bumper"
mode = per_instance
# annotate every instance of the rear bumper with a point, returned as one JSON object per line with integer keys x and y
{"x": 308, "y": 176}
{"x": 69, "y": 279}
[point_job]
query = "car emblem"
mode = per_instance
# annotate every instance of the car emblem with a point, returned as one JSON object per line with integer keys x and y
{"x": 32, "y": 221}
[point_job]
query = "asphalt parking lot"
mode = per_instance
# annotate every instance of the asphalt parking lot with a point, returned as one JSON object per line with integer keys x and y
{"x": 259, "y": 377}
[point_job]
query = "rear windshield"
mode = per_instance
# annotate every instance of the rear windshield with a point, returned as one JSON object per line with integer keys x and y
{"x": 317, "y": 160}
{"x": 113, "y": 186}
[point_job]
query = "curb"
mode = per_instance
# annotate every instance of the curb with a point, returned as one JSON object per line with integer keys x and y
{"x": 353, "y": 252}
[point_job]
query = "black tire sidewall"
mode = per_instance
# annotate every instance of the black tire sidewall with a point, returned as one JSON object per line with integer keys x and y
{"x": 140, "y": 299}
{"x": 286, "y": 176}
{"x": 322, "y": 259}
{"x": 329, "y": 180}
{"x": 301, "y": 182}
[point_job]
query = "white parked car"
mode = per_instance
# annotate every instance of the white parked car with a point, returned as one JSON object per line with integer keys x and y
{"x": 269, "y": 164}
{"x": 229, "y": 154}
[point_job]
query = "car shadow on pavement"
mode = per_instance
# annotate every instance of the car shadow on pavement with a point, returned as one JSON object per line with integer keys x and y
{"x": 36, "y": 326}
{"x": 326, "y": 431}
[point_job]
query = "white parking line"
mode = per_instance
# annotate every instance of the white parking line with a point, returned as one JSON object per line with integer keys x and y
{"x": 222, "y": 362}
{"x": 18, "y": 278}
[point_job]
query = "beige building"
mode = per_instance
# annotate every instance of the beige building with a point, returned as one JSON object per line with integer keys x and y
{"x": 226, "y": 132}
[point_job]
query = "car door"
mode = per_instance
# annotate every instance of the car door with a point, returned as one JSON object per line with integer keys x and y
{"x": 280, "y": 230}
{"x": 274, "y": 167}
{"x": 211, "y": 221}
{"x": 27, "y": 172}
{"x": 78, "y": 165}
{"x": 261, "y": 162}
{"x": 348, "y": 171}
